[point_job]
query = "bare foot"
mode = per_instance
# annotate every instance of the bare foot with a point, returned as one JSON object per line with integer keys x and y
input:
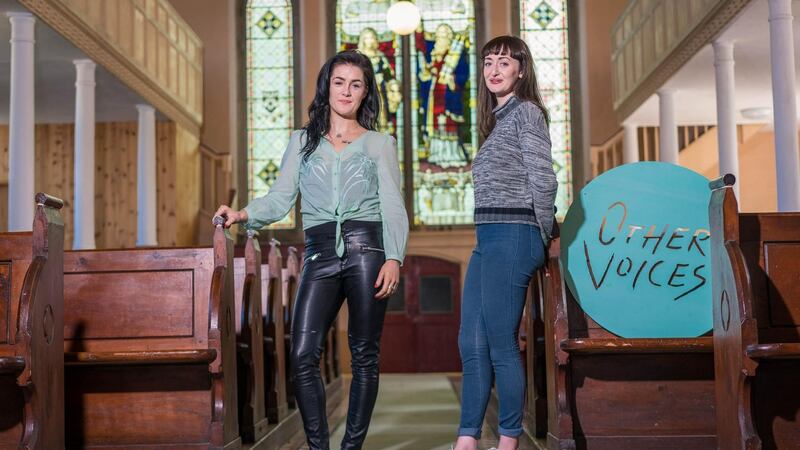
{"x": 466, "y": 443}
{"x": 507, "y": 443}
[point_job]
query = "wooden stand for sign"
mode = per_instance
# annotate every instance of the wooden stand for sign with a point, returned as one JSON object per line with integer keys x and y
{"x": 606, "y": 392}
{"x": 756, "y": 323}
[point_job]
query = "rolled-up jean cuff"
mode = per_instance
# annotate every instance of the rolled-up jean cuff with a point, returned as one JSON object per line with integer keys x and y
{"x": 512, "y": 433}
{"x": 471, "y": 432}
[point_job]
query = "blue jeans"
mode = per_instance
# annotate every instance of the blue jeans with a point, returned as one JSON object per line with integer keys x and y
{"x": 501, "y": 267}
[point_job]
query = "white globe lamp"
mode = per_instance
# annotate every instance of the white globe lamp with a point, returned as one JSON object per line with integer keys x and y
{"x": 403, "y": 18}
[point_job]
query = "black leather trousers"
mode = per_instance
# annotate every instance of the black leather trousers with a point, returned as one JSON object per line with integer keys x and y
{"x": 325, "y": 282}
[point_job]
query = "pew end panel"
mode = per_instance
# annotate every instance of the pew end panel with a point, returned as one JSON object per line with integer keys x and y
{"x": 275, "y": 344}
{"x": 250, "y": 342}
{"x": 756, "y": 259}
{"x": 31, "y": 331}
{"x": 289, "y": 284}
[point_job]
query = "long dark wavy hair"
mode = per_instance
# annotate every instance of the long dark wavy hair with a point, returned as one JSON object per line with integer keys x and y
{"x": 526, "y": 88}
{"x": 319, "y": 112}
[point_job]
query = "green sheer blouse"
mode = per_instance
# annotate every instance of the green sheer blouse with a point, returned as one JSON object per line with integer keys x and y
{"x": 360, "y": 182}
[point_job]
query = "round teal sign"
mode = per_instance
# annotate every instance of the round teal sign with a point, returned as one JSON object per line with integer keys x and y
{"x": 636, "y": 249}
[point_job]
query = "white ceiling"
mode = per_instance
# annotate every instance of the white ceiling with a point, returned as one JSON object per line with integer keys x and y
{"x": 695, "y": 96}
{"x": 55, "y": 78}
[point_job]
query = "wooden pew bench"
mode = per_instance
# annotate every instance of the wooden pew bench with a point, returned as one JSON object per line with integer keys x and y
{"x": 756, "y": 291}
{"x": 31, "y": 332}
{"x": 250, "y": 342}
{"x": 607, "y": 392}
{"x": 150, "y": 347}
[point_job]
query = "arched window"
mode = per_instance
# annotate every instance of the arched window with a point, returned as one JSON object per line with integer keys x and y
{"x": 270, "y": 93}
{"x": 543, "y": 24}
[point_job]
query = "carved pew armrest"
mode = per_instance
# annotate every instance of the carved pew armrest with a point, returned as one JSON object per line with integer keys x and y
{"x": 159, "y": 357}
{"x": 11, "y": 365}
{"x": 774, "y": 351}
{"x": 598, "y": 346}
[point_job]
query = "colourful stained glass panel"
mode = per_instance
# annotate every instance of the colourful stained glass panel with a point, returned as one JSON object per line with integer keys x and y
{"x": 543, "y": 24}
{"x": 270, "y": 94}
{"x": 443, "y": 114}
{"x": 362, "y": 25}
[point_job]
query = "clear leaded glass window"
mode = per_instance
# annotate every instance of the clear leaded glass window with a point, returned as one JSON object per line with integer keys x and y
{"x": 443, "y": 116}
{"x": 270, "y": 94}
{"x": 543, "y": 24}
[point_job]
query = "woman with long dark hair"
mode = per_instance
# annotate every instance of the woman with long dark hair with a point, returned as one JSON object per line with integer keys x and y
{"x": 356, "y": 230}
{"x": 515, "y": 189}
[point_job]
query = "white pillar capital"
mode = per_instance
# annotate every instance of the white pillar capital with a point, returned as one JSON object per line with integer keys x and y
{"x": 780, "y": 10}
{"x": 22, "y": 26}
{"x": 144, "y": 108}
{"x": 85, "y": 69}
{"x": 666, "y": 92}
{"x": 723, "y": 51}
{"x": 21, "y": 123}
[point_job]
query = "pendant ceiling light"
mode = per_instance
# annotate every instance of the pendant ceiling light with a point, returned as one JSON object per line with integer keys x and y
{"x": 403, "y": 17}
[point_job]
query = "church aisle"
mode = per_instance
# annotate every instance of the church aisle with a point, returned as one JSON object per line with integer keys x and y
{"x": 414, "y": 411}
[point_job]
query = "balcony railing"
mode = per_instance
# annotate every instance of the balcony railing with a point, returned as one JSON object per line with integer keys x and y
{"x": 144, "y": 43}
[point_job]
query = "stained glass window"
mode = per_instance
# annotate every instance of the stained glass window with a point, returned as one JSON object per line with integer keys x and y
{"x": 544, "y": 27}
{"x": 270, "y": 94}
{"x": 443, "y": 118}
{"x": 442, "y": 91}
{"x": 361, "y": 25}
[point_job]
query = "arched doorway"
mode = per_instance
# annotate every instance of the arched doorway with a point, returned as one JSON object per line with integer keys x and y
{"x": 420, "y": 333}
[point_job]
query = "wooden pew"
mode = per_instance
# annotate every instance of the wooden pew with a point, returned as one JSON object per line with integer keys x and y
{"x": 250, "y": 342}
{"x": 291, "y": 279}
{"x": 756, "y": 291}
{"x": 606, "y": 392}
{"x": 274, "y": 349}
{"x": 31, "y": 332}
{"x": 150, "y": 345}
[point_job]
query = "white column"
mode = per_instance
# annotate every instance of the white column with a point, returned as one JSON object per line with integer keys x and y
{"x": 83, "y": 217}
{"x": 784, "y": 104}
{"x": 727, "y": 142}
{"x": 630, "y": 143}
{"x": 667, "y": 127}
{"x": 21, "y": 124}
{"x": 146, "y": 178}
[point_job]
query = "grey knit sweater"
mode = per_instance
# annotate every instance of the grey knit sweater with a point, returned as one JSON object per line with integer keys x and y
{"x": 513, "y": 170}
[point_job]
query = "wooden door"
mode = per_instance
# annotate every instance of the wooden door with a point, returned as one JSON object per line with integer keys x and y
{"x": 420, "y": 333}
